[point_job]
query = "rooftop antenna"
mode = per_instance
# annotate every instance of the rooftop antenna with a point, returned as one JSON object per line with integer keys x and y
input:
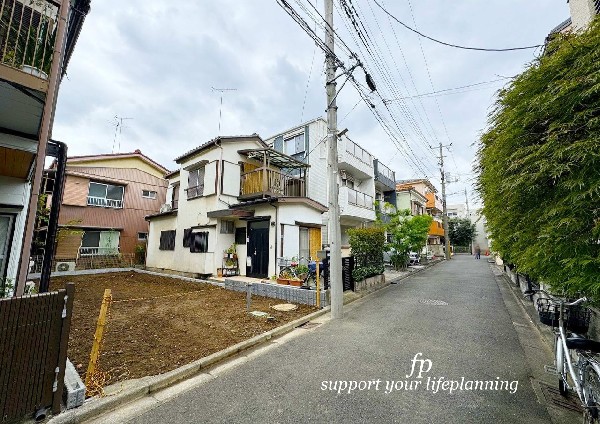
{"x": 222, "y": 90}
{"x": 118, "y": 129}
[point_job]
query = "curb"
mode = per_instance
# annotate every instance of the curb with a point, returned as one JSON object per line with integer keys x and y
{"x": 144, "y": 386}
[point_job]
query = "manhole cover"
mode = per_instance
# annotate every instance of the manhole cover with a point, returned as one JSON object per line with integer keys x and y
{"x": 553, "y": 396}
{"x": 433, "y": 302}
{"x": 309, "y": 325}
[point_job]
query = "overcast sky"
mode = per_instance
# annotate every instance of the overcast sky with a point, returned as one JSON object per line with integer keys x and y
{"x": 157, "y": 63}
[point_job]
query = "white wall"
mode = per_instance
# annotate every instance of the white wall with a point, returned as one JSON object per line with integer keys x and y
{"x": 582, "y": 12}
{"x": 15, "y": 192}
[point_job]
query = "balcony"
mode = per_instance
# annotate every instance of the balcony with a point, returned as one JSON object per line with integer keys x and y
{"x": 385, "y": 179}
{"x": 436, "y": 229}
{"x": 356, "y": 205}
{"x": 279, "y": 176}
{"x": 27, "y": 38}
{"x": 355, "y": 159}
{"x": 264, "y": 182}
{"x": 104, "y": 202}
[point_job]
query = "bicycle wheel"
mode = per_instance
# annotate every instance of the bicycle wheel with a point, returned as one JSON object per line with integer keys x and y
{"x": 591, "y": 394}
{"x": 561, "y": 366}
{"x": 287, "y": 272}
{"x": 310, "y": 281}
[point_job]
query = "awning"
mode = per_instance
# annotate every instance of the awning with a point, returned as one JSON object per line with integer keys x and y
{"x": 274, "y": 158}
{"x": 230, "y": 213}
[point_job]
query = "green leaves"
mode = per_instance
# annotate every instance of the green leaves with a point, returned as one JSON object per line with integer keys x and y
{"x": 539, "y": 166}
{"x": 461, "y": 231}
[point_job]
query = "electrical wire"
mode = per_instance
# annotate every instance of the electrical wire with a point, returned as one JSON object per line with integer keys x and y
{"x": 451, "y": 44}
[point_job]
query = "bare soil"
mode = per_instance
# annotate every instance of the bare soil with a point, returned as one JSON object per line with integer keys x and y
{"x": 157, "y": 323}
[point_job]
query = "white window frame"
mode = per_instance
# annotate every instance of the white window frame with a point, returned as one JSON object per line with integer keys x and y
{"x": 104, "y": 202}
{"x": 144, "y": 238}
{"x": 151, "y": 194}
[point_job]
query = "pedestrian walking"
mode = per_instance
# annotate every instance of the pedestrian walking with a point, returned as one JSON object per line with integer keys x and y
{"x": 477, "y": 252}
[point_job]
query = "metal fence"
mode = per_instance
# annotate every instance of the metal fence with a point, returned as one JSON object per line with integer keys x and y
{"x": 89, "y": 261}
{"x": 34, "y": 335}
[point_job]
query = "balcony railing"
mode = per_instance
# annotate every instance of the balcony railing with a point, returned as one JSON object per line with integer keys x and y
{"x": 98, "y": 251}
{"x": 361, "y": 199}
{"x": 385, "y": 171}
{"x": 269, "y": 182}
{"x": 360, "y": 153}
{"x": 27, "y": 35}
{"x": 104, "y": 202}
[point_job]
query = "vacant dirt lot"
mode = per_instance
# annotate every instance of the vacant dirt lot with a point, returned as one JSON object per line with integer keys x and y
{"x": 157, "y": 324}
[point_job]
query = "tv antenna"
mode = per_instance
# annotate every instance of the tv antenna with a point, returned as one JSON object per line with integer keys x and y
{"x": 118, "y": 130}
{"x": 222, "y": 90}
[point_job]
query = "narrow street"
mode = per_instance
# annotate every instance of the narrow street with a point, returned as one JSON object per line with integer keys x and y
{"x": 453, "y": 314}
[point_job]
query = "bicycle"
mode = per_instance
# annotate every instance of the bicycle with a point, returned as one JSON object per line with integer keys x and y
{"x": 296, "y": 269}
{"x": 576, "y": 356}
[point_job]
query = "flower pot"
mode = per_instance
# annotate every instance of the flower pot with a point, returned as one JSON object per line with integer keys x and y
{"x": 219, "y": 272}
{"x": 296, "y": 283}
{"x": 283, "y": 281}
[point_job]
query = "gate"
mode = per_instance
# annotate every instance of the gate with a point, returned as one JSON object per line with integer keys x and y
{"x": 34, "y": 335}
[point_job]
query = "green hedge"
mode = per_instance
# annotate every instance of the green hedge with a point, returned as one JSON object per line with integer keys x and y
{"x": 367, "y": 248}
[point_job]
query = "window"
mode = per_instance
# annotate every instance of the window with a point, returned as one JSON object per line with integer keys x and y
{"x": 149, "y": 194}
{"x": 240, "y": 235}
{"x": 293, "y": 146}
{"x": 167, "y": 240}
{"x": 99, "y": 243}
{"x": 143, "y": 236}
{"x": 195, "y": 183}
{"x": 6, "y": 233}
{"x": 175, "y": 196}
{"x": 186, "y": 237}
{"x": 304, "y": 247}
{"x": 227, "y": 227}
{"x": 199, "y": 242}
{"x": 105, "y": 195}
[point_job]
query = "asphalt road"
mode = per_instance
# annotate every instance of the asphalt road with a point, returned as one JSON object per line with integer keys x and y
{"x": 452, "y": 314}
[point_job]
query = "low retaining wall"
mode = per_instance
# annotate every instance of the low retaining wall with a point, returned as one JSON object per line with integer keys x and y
{"x": 279, "y": 291}
{"x": 370, "y": 283}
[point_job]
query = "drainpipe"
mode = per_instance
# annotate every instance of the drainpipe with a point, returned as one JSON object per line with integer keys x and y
{"x": 44, "y": 136}
{"x": 276, "y": 233}
{"x": 59, "y": 151}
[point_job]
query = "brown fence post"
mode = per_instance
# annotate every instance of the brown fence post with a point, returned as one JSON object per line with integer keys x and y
{"x": 64, "y": 344}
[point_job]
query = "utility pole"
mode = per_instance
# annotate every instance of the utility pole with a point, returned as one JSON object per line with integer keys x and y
{"x": 444, "y": 208}
{"x": 335, "y": 239}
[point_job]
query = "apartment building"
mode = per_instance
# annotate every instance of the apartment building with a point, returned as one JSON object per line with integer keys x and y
{"x": 36, "y": 41}
{"x": 362, "y": 179}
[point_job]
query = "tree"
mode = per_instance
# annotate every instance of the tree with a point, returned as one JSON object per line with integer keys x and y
{"x": 461, "y": 231}
{"x": 406, "y": 234}
{"x": 539, "y": 166}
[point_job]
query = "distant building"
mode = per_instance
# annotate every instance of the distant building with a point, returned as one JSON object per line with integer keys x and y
{"x": 105, "y": 201}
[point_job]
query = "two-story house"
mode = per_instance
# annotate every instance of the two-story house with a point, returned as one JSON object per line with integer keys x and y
{"x": 105, "y": 201}
{"x": 37, "y": 39}
{"x": 235, "y": 206}
{"x": 362, "y": 178}
{"x": 420, "y": 197}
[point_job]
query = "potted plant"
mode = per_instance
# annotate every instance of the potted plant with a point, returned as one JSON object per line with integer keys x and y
{"x": 296, "y": 282}
{"x": 302, "y": 271}
{"x": 284, "y": 278}
{"x": 230, "y": 252}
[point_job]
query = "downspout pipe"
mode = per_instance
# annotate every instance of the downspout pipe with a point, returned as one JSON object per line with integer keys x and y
{"x": 58, "y": 150}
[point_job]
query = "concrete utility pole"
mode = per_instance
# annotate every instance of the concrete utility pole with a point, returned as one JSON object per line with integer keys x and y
{"x": 444, "y": 209}
{"x": 335, "y": 239}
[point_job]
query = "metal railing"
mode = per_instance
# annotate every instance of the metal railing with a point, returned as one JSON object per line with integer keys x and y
{"x": 98, "y": 251}
{"x": 358, "y": 198}
{"x": 358, "y": 152}
{"x": 385, "y": 171}
{"x": 264, "y": 180}
{"x": 27, "y": 35}
{"x": 104, "y": 202}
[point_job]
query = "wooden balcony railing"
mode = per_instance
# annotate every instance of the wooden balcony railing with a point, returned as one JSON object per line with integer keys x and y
{"x": 27, "y": 35}
{"x": 269, "y": 182}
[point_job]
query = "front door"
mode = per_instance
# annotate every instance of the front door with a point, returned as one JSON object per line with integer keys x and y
{"x": 258, "y": 249}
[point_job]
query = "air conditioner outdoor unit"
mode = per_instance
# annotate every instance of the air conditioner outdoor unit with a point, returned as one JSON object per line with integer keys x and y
{"x": 65, "y": 266}
{"x": 165, "y": 208}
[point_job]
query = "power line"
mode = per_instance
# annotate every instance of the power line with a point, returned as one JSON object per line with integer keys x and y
{"x": 454, "y": 45}
{"x": 449, "y": 90}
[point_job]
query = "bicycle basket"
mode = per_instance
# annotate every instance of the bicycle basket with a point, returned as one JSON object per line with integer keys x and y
{"x": 577, "y": 318}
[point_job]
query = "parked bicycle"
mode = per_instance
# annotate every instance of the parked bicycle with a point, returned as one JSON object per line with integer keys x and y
{"x": 576, "y": 356}
{"x": 303, "y": 269}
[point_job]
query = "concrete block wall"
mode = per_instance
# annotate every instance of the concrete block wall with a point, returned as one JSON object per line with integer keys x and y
{"x": 279, "y": 291}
